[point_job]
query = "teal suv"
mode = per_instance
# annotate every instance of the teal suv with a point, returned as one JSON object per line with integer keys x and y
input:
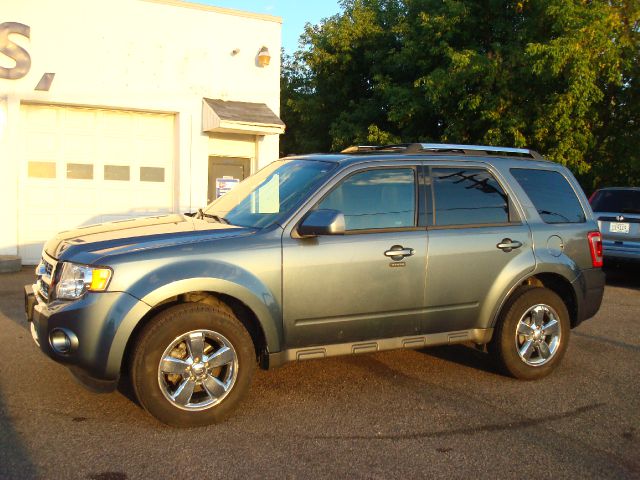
{"x": 375, "y": 248}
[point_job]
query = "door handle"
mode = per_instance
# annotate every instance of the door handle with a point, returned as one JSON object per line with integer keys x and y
{"x": 398, "y": 252}
{"x": 506, "y": 245}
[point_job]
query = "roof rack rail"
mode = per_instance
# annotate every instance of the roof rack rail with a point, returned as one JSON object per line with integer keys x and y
{"x": 443, "y": 148}
{"x": 376, "y": 148}
{"x": 480, "y": 148}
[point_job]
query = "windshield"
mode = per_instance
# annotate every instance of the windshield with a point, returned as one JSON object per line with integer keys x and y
{"x": 621, "y": 201}
{"x": 266, "y": 197}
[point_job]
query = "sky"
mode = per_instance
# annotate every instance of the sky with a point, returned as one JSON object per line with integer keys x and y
{"x": 295, "y": 14}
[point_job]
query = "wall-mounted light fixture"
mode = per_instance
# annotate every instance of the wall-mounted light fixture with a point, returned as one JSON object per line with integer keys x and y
{"x": 263, "y": 57}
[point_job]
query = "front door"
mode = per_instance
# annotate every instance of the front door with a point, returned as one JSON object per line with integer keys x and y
{"x": 351, "y": 287}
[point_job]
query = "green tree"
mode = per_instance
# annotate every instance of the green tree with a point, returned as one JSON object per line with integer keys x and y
{"x": 559, "y": 76}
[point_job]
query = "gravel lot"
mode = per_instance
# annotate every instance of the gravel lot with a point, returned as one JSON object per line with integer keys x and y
{"x": 438, "y": 412}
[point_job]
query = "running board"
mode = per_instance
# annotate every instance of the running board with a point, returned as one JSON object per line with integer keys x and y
{"x": 476, "y": 335}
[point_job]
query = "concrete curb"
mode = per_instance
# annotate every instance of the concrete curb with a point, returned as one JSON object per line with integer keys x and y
{"x": 10, "y": 264}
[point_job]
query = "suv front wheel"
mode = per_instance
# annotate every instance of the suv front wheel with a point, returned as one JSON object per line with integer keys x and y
{"x": 192, "y": 364}
{"x": 532, "y": 334}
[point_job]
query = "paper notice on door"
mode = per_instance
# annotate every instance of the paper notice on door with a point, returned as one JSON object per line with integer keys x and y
{"x": 225, "y": 184}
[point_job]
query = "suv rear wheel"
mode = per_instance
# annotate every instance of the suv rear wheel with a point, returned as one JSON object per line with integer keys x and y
{"x": 532, "y": 334}
{"x": 192, "y": 364}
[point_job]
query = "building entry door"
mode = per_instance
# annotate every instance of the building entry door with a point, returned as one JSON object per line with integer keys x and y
{"x": 224, "y": 174}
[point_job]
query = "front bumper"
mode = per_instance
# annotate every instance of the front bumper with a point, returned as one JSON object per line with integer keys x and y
{"x": 95, "y": 354}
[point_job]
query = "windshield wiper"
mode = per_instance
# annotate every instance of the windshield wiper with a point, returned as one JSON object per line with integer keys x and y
{"x": 199, "y": 215}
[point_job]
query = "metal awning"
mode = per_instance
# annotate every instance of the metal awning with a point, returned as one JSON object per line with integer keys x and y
{"x": 219, "y": 116}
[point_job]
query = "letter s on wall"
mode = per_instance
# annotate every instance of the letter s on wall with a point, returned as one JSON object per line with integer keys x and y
{"x": 13, "y": 51}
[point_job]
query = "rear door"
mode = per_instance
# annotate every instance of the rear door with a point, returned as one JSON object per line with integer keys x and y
{"x": 478, "y": 245}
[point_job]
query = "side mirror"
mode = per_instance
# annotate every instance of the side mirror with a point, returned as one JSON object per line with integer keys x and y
{"x": 322, "y": 222}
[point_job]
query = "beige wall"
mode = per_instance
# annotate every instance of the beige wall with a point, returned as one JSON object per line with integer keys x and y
{"x": 146, "y": 55}
{"x": 132, "y": 51}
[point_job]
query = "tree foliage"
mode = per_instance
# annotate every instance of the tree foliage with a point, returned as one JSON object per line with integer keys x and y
{"x": 559, "y": 76}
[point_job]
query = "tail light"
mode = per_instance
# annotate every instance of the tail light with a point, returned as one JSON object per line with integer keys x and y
{"x": 595, "y": 246}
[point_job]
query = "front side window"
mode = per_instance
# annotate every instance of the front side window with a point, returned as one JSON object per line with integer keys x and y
{"x": 468, "y": 196}
{"x": 375, "y": 199}
{"x": 551, "y": 194}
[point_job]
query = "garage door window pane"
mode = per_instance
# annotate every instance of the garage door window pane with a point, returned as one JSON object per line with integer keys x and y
{"x": 116, "y": 172}
{"x": 80, "y": 171}
{"x": 42, "y": 169}
{"x": 151, "y": 174}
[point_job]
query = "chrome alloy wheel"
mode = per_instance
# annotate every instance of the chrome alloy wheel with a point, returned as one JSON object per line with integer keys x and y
{"x": 538, "y": 335}
{"x": 198, "y": 370}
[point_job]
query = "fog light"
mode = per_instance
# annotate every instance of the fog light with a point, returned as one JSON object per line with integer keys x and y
{"x": 63, "y": 341}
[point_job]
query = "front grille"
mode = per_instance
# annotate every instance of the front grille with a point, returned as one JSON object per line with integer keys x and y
{"x": 44, "y": 289}
{"x": 45, "y": 273}
{"x": 48, "y": 267}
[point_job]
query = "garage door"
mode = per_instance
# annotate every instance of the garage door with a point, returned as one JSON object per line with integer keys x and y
{"x": 83, "y": 166}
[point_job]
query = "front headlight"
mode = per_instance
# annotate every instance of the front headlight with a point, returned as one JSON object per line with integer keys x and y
{"x": 76, "y": 280}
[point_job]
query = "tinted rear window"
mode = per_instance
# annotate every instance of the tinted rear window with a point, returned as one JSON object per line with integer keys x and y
{"x": 618, "y": 201}
{"x": 468, "y": 197}
{"x": 551, "y": 194}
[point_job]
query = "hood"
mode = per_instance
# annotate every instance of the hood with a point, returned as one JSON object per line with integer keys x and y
{"x": 95, "y": 241}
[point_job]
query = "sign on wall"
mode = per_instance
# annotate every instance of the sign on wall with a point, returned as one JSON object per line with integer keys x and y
{"x": 14, "y": 51}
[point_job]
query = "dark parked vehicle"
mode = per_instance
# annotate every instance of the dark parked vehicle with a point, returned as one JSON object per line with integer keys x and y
{"x": 618, "y": 213}
{"x": 376, "y": 248}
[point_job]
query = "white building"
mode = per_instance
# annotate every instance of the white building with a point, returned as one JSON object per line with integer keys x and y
{"x": 120, "y": 108}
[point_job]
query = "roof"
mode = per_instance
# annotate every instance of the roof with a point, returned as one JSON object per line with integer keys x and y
{"x": 240, "y": 117}
{"x": 432, "y": 151}
{"x": 445, "y": 148}
{"x": 504, "y": 161}
{"x": 224, "y": 11}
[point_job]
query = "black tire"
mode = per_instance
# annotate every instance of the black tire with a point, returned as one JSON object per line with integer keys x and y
{"x": 505, "y": 344}
{"x": 161, "y": 333}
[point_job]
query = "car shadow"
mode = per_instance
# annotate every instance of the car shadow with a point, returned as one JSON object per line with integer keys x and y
{"x": 12, "y": 295}
{"x": 623, "y": 275}
{"x": 125, "y": 388}
{"x": 14, "y": 456}
{"x": 467, "y": 356}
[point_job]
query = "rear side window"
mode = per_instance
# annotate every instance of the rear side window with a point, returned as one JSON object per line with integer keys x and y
{"x": 468, "y": 197}
{"x": 551, "y": 194}
{"x": 617, "y": 201}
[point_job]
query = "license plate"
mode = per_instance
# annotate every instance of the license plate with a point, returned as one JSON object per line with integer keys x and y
{"x": 617, "y": 227}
